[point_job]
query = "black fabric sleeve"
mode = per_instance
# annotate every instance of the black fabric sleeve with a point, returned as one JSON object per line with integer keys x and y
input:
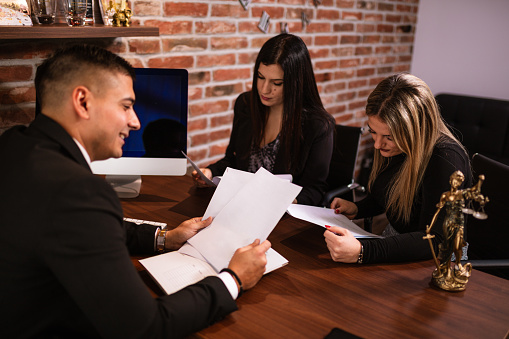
{"x": 319, "y": 143}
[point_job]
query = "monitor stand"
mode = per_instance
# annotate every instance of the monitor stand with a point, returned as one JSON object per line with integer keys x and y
{"x": 126, "y": 186}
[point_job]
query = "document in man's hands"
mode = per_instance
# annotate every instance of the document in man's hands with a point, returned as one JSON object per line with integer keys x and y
{"x": 326, "y": 216}
{"x": 245, "y": 207}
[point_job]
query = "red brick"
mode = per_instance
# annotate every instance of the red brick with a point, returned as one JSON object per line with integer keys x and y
{"x": 357, "y": 83}
{"x": 326, "y": 64}
{"x": 365, "y": 28}
{"x": 221, "y": 120}
{"x": 326, "y": 40}
{"x": 327, "y": 14}
{"x": 351, "y": 15}
{"x": 16, "y": 73}
{"x": 208, "y": 107}
{"x": 231, "y": 74}
{"x": 371, "y": 39}
{"x": 364, "y": 50}
{"x": 215, "y": 60}
{"x": 373, "y": 17}
{"x": 142, "y": 8}
{"x": 184, "y": 44}
{"x": 173, "y": 27}
{"x": 223, "y": 90}
{"x": 228, "y": 43}
{"x": 273, "y": 12}
{"x": 17, "y": 94}
{"x": 218, "y": 149}
{"x": 336, "y": 109}
{"x": 345, "y": 63}
{"x": 345, "y": 3}
{"x": 173, "y": 9}
{"x": 145, "y": 46}
{"x": 196, "y": 78}
{"x": 197, "y": 125}
{"x": 343, "y": 27}
{"x": 344, "y": 74}
{"x": 171, "y": 62}
{"x": 194, "y": 93}
{"x": 385, "y": 7}
{"x": 334, "y": 87}
{"x": 364, "y": 72}
{"x": 350, "y": 39}
{"x": 318, "y": 53}
{"x": 229, "y": 11}
{"x": 383, "y": 28}
{"x": 318, "y": 27}
{"x": 214, "y": 27}
{"x": 248, "y": 27}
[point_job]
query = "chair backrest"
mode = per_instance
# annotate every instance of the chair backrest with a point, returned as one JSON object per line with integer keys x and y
{"x": 481, "y": 124}
{"x": 344, "y": 155}
{"x": 489, "y": 238}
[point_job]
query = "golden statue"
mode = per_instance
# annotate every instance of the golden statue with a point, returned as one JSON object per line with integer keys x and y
{"x": 446, "y": 276}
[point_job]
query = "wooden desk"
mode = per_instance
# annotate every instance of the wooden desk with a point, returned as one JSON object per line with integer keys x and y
{"x": 313, "y": 294}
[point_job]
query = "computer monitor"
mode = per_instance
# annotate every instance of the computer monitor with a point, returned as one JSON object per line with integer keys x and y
{"x": 156, "y": 149}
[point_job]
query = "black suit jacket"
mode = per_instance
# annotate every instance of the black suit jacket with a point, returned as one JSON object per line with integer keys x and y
{"x": 64, "y": 256}
{"x": 316, "y": 151}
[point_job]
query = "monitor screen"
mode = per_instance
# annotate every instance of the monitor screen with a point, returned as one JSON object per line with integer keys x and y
{"x": 161, "y": 106}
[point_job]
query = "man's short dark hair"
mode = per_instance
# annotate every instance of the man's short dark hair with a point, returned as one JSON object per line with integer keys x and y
{"x": 78, "y": 60}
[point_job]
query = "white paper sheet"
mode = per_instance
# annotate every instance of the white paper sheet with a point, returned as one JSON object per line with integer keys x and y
{"x": 252, "y": 213}
{"x": 326, "y": 216}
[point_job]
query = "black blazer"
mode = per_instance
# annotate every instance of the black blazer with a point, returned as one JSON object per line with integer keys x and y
{"x": 316, "y": 151}
{"x": 64, "y": 256}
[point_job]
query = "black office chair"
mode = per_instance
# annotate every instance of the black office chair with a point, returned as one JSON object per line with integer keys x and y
{"x": 488, "y": 240}
{"x": 341, "y": 179}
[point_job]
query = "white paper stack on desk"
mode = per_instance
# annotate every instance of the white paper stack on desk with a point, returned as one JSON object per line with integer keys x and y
{"x": 245, "y": 207}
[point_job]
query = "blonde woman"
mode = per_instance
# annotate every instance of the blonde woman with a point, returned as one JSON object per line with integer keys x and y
{"x": 415, "y": 155}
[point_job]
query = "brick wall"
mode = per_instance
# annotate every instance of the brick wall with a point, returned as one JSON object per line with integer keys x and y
{"x": 353, "y": 45}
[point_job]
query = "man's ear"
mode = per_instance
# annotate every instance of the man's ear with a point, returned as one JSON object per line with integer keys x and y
{"x": 80, "y": 100}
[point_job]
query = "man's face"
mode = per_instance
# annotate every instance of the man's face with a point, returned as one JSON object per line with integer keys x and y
{"x": 112, "y": 117}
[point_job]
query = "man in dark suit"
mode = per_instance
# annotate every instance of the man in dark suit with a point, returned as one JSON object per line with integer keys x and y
{"x": 64, "y": 248}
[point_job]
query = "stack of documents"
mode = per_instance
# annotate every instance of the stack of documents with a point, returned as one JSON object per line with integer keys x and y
{"x": 245, "y": 207}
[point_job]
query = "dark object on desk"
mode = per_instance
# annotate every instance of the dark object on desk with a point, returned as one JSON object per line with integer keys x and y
{"x": 341, "y": 181}
{"x": 481, "y": 124}
{"x": 338, "y": 333}
{"x": 488, "y": 248}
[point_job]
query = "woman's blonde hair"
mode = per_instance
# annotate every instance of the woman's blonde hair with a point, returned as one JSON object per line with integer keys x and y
{"x": 405, "y": 103}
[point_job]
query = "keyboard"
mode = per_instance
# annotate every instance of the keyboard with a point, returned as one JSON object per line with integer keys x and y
{"x": 140, "y": 221}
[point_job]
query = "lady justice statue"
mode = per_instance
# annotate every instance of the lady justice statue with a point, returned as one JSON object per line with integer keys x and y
{"x": 446, "y": 276}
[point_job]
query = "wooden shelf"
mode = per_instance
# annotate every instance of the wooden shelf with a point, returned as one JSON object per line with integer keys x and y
{"x": 62, "y": 31}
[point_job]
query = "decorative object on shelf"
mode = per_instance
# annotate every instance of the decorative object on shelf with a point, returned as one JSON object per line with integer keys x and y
{"x": 284, "y": 27}
{"x": 450, "y": 274}
{"x": 108, "y": 10}
{"x": 304, "y": 19}
{"x": 264, "y": 23}
{"x": 89, "y": 14}
{"x": 76, "y": 11}
{"x": 122, "y": 17}
{"x": 44, "y": 11}
{"x": 14, "y": 13}
{"x": 245, "y": 4}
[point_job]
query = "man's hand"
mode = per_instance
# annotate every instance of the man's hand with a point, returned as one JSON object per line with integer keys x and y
{"x": 186, "y": 230}
{"x": 249, "y": 263}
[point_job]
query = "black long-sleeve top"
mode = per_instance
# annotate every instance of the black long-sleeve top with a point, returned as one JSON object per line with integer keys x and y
{"x": 409, "y": 245}
{"x": 315, "y": 153}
